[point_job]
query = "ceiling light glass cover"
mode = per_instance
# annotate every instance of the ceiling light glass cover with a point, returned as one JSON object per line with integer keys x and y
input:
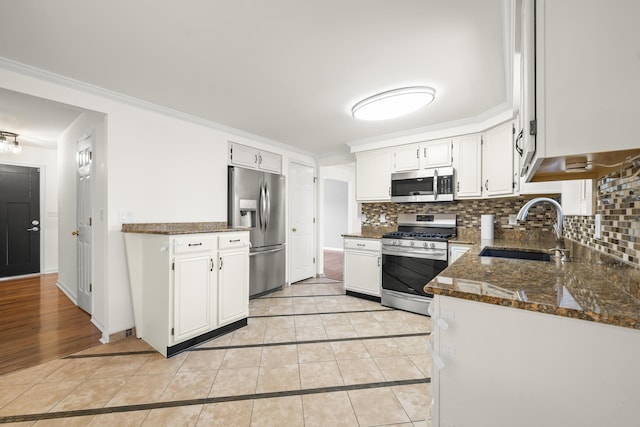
{"x": 394, "y": 103}
{"x": 8, "y": 146}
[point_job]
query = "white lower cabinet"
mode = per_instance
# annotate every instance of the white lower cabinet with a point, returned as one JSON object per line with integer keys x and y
{"x": 233, "y": 278}
{"x": 194, "y": 299}
{"x": 188, "y": 288}
{"x": 456, "y": 250}
{"x": 503, "y": 367}
{"x": 363, "y": 266}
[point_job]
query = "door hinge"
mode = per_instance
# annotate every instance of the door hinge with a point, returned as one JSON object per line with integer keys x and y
{"x": 172, "y": 331}
{"x": 315, "y": 179}
{"x": 533, "y": 127}
{"x": 90, "y": 287}
{"x": 90, "y": 221}
{"x": 314, "y": 260}
{"x": 314, "y": 220}
{"x": 90, "y": 155}
{"x": 173, "y": 266}
{"x": 231, "y": 153}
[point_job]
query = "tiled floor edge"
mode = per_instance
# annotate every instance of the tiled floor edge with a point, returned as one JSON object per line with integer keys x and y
{"x": 203, "y": 401}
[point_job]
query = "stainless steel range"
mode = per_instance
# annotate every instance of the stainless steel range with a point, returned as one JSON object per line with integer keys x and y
{"x": 412, "y": 256}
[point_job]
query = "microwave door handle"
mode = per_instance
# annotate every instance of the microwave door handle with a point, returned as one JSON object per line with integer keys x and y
{"x": 435, "y": 184}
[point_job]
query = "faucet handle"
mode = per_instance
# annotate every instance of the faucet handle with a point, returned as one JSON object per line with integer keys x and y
{"x": 562, "y": 253}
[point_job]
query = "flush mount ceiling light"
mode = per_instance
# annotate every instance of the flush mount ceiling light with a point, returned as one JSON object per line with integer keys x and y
{"x": 8, "y": 146}
{"x": 393, "y": 103}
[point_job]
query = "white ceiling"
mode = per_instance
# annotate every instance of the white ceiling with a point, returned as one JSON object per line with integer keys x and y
{"x": 286, "y": 70}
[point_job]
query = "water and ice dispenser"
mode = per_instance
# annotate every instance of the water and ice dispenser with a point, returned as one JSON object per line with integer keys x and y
{"x": 248, "y": 209}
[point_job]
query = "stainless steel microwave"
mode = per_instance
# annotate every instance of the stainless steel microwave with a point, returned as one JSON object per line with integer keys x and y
{"x": 425, "y": 185}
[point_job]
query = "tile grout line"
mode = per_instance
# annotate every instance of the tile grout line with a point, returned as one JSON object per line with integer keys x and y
{"x": 318, "y": 314}
{"x": 205, "y": 401}
{"x": 274, "y": 344}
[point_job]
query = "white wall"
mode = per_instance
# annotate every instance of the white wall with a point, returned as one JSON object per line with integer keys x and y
{"x": 158, "y": 167}
{"x": 46, "y": 160}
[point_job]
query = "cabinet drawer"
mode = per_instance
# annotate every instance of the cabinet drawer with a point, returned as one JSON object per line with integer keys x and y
{"x": 182, "y": 245}
{"x": 233, "y": 240}
{"x": 363, "y": 244}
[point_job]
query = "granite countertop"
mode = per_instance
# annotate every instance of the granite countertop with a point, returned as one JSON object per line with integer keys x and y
{"x": 590, "y": 287}
{"x": 180, "y": 228}
{"x": 363, "y": 236}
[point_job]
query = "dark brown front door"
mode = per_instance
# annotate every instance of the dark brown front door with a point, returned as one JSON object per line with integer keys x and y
{"x": 19, "y": 220}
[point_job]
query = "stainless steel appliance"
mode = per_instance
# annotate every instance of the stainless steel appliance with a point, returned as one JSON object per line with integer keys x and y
{"x": 425, "y": 185}
{"x": 256, "y": 200}
{"x": 412, "y": 256}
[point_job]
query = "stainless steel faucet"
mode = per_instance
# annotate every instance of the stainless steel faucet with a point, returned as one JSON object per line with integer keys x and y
{"x": 557, "y": 227}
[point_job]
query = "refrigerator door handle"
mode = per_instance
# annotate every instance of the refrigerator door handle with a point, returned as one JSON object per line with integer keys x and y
{"x": 261, "y": 217}
{"x": 268, "y": 206}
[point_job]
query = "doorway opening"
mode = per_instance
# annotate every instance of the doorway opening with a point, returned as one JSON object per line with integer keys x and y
{"x": 335, "y": 214}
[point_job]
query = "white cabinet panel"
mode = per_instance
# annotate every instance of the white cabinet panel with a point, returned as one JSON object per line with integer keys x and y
{"x": 497, "y": 161}
{"x": 249, "y": 157}
{"x": 467, "y": 163}
{"x": 456, "y": 250}
{"x": 577, "y": 197}
{"x": 192, "y": 294}
{"x": 373, "y": 175}
{"x": 233, "y": 286}
{"x": 363, "y": 266}
{"x": 406, "y": 158}
{"x": 432, "y": 154}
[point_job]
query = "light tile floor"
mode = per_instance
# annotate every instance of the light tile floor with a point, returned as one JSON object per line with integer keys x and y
{"x": 309, "y": 356}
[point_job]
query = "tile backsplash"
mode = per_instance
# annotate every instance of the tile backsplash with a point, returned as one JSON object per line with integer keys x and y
{"x": 618, "y": 202}
{"x": 538, "y": 224}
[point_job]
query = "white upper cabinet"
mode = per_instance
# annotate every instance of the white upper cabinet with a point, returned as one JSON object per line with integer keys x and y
{"x": 373, "y": 175}
{"x": 433, "y": 154}
{"x": 497, "y": 161}
{"x": 467, "y": 163}
{"x": 249, "y": 157}
{"x": 577, "y": 197}
{"x": 587, "y": 83}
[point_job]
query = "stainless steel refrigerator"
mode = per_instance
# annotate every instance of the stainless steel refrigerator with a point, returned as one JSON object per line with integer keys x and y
{"x": 256, "y": 200}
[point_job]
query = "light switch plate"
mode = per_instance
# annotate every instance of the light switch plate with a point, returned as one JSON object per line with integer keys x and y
{"x": 383, "y": 218}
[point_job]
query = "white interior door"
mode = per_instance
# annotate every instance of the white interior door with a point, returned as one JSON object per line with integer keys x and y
{"x": 302, "y": 207}
{"x": 84, "y": 232}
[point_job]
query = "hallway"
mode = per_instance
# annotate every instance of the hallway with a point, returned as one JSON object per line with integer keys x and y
{"x": 39, "y": 323}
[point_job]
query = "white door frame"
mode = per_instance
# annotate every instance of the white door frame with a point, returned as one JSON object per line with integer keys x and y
{"x": 315, "y": 211}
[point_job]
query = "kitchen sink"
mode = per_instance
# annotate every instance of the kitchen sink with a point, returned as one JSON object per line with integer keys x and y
{"x": 515, "y": 254}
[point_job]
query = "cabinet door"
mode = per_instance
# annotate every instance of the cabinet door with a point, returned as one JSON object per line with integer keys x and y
{"x": 406, "y": 158}
{"x": 270, "y": 162}
{"x": 362, "y": 272}
{"x": 192, "y": 296}
{"x": 233, "y": 286}
{"x": 241, "y": 155}
{"x": 456, "y": 251}
{"x": 497, "y": 161}
{"x": 436, "y": 154}
{"x": 373, "y": 175}
{"x": 467, "y": 163}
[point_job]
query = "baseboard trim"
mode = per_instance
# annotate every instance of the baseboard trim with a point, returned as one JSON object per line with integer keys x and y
{"x": 117, "y": 336}
{"x": 178, "y": 348}
{"x": 65, "y": 290}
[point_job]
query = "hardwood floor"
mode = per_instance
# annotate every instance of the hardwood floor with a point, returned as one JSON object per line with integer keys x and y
{"x": 333, "y": 264}
{"x": 39, "y": 323}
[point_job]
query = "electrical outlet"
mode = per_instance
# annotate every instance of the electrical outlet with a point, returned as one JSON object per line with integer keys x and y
{"x": 598, "y": 231}
{"x": 513, "y": 219}
{"x": 383, "y": 218}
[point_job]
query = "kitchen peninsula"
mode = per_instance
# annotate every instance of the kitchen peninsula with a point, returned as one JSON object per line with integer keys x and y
{"x": 530, "y": 343}
{"x": 189, "y": 281}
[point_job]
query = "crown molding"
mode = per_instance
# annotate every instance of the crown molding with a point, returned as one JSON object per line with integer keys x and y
{"x": 38, "y": 73}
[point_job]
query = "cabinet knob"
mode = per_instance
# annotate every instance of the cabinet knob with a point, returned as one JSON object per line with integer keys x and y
{"x": 75, "y": 233}
{"x": 294, "y": 229}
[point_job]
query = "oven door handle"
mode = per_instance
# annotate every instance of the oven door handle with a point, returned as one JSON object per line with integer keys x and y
{"x": 408, "y": 252}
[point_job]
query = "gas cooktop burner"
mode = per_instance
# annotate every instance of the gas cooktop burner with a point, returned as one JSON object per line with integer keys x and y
{"x": 417, "y": 235}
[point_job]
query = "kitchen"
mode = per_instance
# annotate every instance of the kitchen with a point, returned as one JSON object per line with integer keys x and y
{"x": 130, "y": 142}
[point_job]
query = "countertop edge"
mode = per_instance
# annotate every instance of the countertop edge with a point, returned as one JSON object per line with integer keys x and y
{"x": 179, "y": 228}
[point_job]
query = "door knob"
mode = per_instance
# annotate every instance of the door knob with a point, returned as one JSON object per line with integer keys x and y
{"x": 33, "y": 229}
{"x": 75, "y": 233}
{"x": 294, "y": 229}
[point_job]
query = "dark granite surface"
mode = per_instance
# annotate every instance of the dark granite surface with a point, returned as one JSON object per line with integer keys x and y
{"x": 591, "y": 287}
{"x": 180, "y": 228}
